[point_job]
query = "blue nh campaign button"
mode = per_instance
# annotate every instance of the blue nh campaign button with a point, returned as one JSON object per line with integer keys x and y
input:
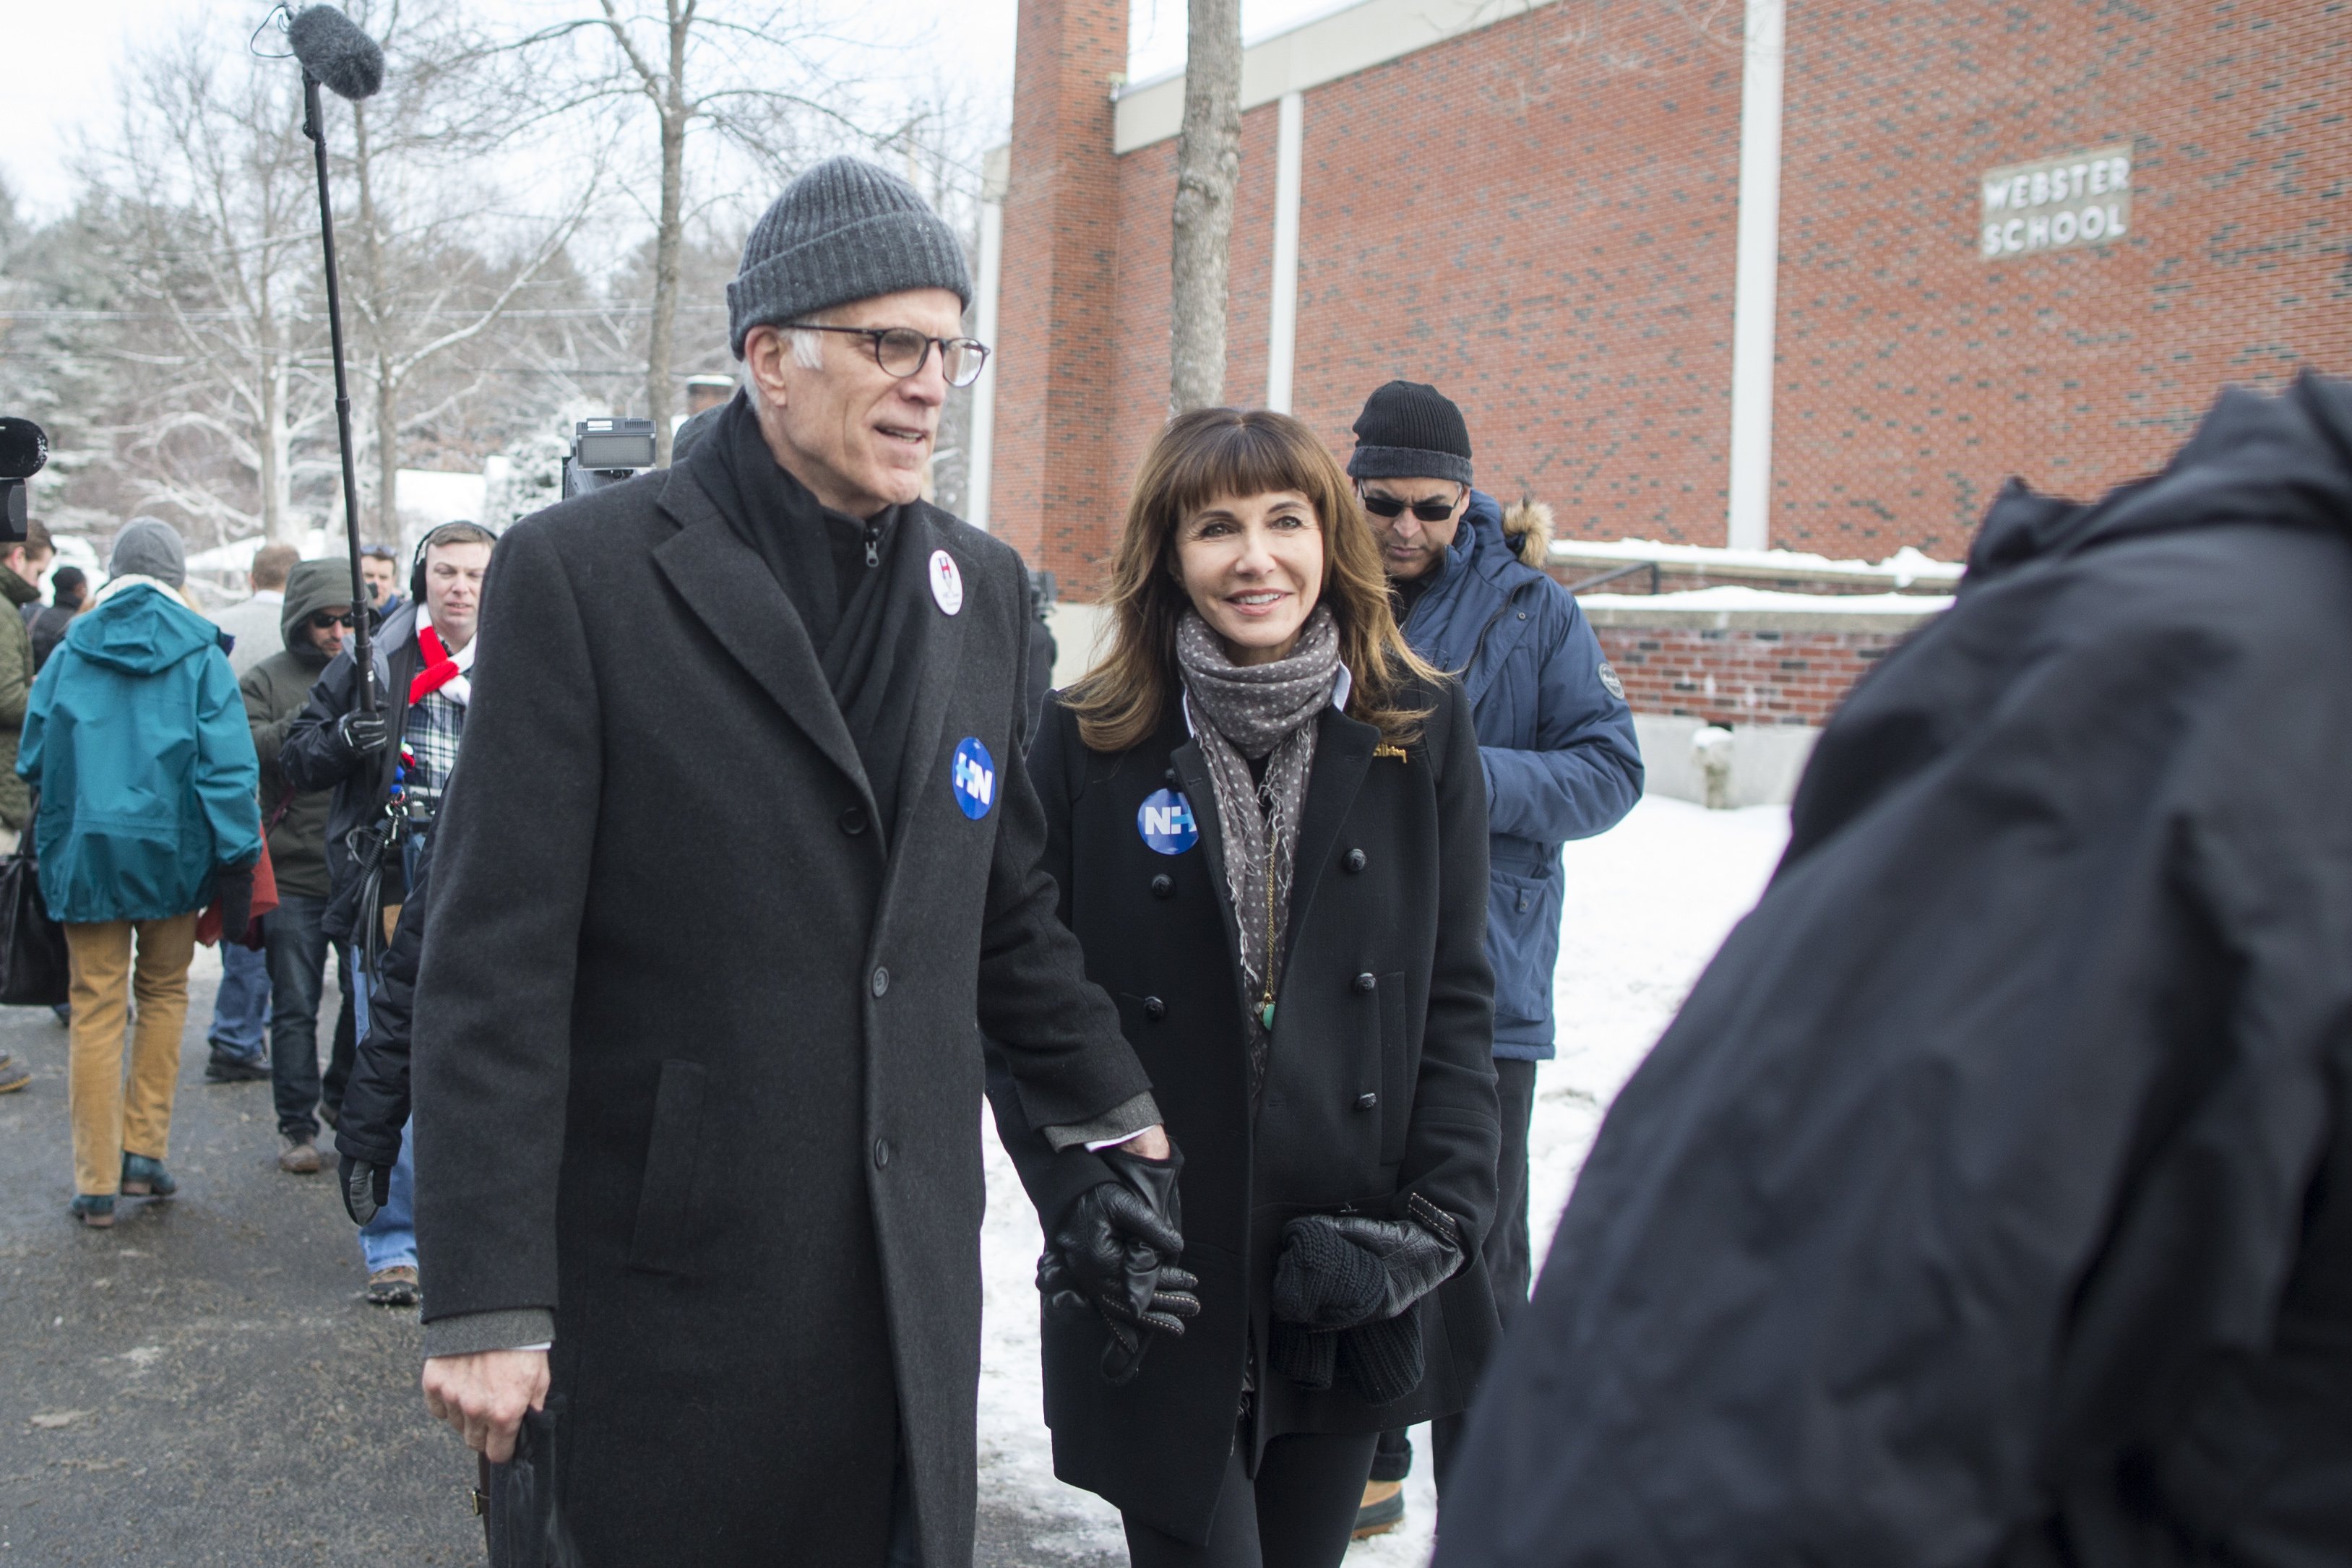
{"x": 1166, "y": 822}
{"x": 973, "y": 778}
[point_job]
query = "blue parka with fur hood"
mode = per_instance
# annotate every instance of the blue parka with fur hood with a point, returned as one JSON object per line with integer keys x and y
{"x": 1556, "y": 738}
{"x": 137, "y": 742}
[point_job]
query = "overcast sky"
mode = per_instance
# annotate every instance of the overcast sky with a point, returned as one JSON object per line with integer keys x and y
{"x": 61, "y": 58}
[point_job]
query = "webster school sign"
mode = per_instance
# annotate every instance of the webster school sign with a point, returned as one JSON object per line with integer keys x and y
{"x": 2058, "y": 204}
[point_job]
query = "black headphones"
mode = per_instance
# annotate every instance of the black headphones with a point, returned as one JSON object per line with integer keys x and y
{"x": 460, "y": 531}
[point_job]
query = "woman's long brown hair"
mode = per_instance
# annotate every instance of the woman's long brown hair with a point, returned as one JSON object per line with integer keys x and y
{"x": 1200, "y": 457}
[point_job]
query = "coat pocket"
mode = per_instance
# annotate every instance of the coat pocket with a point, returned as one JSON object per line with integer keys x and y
{"x": 1523, "y": 942}
{"x": 1396, "y": 1069}
{"x": 662, "y": 1242}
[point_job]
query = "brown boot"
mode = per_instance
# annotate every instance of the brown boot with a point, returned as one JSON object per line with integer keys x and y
{"x": 298, "y": 1156}
{"x": 1381, "y": 1510}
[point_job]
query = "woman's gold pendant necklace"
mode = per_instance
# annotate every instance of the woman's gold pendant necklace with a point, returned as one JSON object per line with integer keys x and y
{"x": 1265, "y": 1002}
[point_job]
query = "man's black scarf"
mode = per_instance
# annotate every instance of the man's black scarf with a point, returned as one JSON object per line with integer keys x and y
{"x": 864, "y": 622}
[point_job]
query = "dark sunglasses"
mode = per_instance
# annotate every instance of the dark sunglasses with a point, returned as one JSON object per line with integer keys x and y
{"x": 325, "y": 618}
{"x": 1431, "y": 510}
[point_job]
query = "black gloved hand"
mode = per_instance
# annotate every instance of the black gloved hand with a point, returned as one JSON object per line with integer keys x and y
{"x": 1340, "y": 1271}
{"x": 366, "y": 1188}
{"x": 1116, "y": 1248}
{"x": 1343, "y": 1288}
{"x": 233, "y": 887}
{"x": 362, "y": 733}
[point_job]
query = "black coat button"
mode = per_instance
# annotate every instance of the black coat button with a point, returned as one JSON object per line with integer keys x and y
{"x": 1355, "y": 860}
{"x": 1367, "y": 1100}
{"x": 1365, "y": 983}
{"x": 881, "y": 981}
{"x": 1154, "y": 1008}
{"x": 1163, "y": 886}
{"x": 881, "y": 1152}
{"x": 1170, "y": 776}
{"x": 853, "y": 821}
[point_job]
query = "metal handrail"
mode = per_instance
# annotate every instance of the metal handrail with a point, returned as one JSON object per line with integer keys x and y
{"x": 1649, "y": 566}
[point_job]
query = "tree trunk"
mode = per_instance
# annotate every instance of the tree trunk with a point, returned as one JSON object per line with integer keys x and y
{"x": 279, "y": 521}
{"x": 669, "y": 242}
{"x": 1208, "y": 163}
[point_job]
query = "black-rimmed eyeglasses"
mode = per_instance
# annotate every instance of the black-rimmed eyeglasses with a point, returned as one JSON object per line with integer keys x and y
{"x": 325, "y": 618}
{"x": 903, "y": 351}
{"x": 1430, "y": 510}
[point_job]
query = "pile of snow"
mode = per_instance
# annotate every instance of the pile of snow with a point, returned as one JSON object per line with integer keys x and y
{"x": 1907, "y": 565}
{"x": 1648, "y": 903}
{"x": 1732, "y": 597}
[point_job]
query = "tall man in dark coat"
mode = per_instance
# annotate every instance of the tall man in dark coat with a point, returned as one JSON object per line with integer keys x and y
{"x": 1556, "y": 741}
{"x": 741, "y": 861}
{"x": 1991, "y": 1202}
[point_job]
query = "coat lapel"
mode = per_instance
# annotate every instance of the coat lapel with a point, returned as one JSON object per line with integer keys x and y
{"x": 935, "y": 643}
{"x": 731, "y": 591}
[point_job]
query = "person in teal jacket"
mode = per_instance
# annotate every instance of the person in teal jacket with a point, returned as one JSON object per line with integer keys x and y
{"x": 136, "y": 740}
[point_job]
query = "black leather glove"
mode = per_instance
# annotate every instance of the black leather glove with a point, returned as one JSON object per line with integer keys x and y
{"x": 233, "y": 887}
{"x": 362, "y": 733}
{"x": 1116, "y": 1248}
{"x": 1343, "y": 1287}
{"x": 366, "y": 1188}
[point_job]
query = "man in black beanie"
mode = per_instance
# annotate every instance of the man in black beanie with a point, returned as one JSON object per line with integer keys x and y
{"x": 740, "y": 848}
{"x": 1561, "y": 763}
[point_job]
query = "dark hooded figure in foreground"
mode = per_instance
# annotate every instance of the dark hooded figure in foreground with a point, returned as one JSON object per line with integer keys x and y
{"x": 1991, "y": 1202}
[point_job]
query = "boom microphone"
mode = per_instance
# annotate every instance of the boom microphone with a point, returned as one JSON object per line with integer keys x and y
{"x": 23, "y": 448}
{"x": 341, "y": 58}
{"x": 337, "y": 56}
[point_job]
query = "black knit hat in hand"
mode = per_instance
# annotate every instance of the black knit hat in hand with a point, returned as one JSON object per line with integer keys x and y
{"x": 1383, "y": 1359}
{"x": 1322, "y": 1280}
{"x": 1408, "y": 430}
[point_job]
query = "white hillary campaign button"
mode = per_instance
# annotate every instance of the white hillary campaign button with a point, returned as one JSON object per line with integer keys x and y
{"x": 947, "y": 582}
{"x": 972, "y": 777}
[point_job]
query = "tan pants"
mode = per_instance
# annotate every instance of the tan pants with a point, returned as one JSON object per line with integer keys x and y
{"x": 107, "y": 1120}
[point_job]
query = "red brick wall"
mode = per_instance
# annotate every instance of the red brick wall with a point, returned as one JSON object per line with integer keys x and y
{"x": 1538, "y": 216}
{"x": 1914, "y": 376}
{"x": 1740, "y": 677}
{"x": 1057, "y": 367}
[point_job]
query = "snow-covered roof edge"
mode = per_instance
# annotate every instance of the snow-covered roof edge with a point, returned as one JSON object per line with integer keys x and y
{"x": 1904, "y": 567}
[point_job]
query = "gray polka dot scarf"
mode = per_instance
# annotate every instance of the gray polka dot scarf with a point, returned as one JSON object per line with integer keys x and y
{"x": 1241, "y": 712}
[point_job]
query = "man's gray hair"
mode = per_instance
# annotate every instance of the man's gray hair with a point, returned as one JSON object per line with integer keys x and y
{"x": 808, "y": 351}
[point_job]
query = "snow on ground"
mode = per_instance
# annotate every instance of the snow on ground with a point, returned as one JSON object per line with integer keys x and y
{"x": 1648, "y": 903}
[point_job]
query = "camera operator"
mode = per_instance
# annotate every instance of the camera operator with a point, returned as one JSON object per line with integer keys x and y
{"x": 388, "y": 768}
{"x": 380, "y": 571}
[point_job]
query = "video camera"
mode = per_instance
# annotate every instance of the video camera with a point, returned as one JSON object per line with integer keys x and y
{"x": 606, "y": 451}
{"x": 24, "y": 452}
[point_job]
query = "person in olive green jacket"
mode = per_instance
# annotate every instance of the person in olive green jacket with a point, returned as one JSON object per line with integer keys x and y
{"x": 315, "y": 622}
{"x": 19, "y": 565}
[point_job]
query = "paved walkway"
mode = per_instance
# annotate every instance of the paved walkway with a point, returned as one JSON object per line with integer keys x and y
{"x": 204, "y": 1383}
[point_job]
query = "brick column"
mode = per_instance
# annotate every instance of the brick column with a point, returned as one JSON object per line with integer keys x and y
{"x": 1053, "y": 497}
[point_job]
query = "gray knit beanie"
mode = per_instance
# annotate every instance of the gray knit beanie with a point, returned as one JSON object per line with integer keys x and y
{"x": 149, "y": 547}
{"x": 843, "y": 231}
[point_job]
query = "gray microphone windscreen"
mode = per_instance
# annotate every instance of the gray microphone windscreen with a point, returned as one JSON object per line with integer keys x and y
{"x": 332, "y": 47}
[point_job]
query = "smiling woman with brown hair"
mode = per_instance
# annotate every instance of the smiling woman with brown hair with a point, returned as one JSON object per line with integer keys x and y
{"x": 1267, "y": 819}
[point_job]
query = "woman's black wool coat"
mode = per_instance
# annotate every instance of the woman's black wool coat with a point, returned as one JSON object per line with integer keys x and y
{"x": 1380, "y": 1081}
{"x": 698, "y": 1062}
